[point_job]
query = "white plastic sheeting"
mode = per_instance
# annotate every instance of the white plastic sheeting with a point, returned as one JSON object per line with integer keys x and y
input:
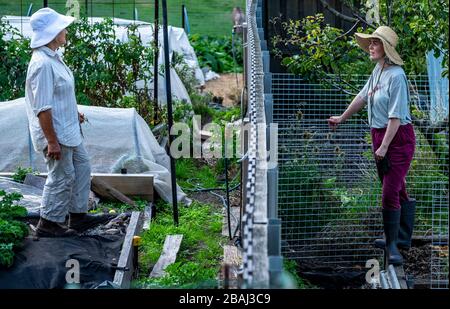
{"x": 438, "y": 88}
{"x": 178, "y": 42}
{"x": 115, "y": 138}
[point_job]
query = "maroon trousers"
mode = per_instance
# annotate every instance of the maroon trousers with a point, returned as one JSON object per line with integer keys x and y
{"x": 399, "y": 156}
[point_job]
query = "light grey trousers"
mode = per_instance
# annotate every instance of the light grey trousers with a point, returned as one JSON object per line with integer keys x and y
{"x": 68, "y": 184}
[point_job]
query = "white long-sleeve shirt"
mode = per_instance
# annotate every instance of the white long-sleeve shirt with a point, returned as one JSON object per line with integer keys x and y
{"x": 50, "y": 85}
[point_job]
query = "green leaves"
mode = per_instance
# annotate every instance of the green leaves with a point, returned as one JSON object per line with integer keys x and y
{"x": 11, "y": 231}
{"x": 313, "y": 49}
{"x": 106, "y": 70}
{"x": 14, "y": 57}
{"x": 6, "y": 254}
{"x": 217, "y": 52}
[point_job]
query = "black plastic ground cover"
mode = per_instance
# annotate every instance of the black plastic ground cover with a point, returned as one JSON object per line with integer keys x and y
{"x": 42, "y": 264}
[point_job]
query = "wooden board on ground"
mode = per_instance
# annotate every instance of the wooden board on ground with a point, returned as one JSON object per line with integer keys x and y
{"x": 34, "y": 181}
{"x": 232, "y": 255}
{"x": 401, "y": 277}
{"x": 168, "y": 256}
{"x": 147, "y": 216}
{"x": 104, "y": 190}
{"x": 232, "y": 260}
{"x": 132, "y": 185}
{"x": 125, "y": 266}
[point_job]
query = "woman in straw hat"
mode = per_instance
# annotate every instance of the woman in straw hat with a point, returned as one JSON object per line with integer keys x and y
{"x": 54, "y": 123}
{"x": 387, "y": 97}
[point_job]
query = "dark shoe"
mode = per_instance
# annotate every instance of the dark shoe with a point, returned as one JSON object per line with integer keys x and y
{"x": 83, "y": 221}
{"x": 391, "y": 223}
{"x": 407, "y": 216}
{"x": 46, "y": 228}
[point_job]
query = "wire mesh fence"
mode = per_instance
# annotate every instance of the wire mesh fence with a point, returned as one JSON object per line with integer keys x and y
{"x": 329, "y": 195}
{"x": 200, "y": 16}
{"x": 439, "y": 247}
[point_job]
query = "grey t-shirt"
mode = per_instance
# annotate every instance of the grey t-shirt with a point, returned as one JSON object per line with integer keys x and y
{"x": 389, "y": 98}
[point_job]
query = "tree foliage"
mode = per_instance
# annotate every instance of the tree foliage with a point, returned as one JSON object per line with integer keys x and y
{"x": 422, "y": 26}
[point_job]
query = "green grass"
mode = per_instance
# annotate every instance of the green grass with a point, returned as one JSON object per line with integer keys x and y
{"x": 119, "y": 207}
{"x": 199, "y": 258}
{"x": 208, "y": 17}
{"x": 190, "y": 175}
{"x": 290, "y": 267}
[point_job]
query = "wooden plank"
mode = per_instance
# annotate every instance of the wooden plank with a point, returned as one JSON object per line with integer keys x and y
{"x": 204, "y": 135}
{"x": 125, "y": 266}
{"x": 134, "y": 185}
{"x": 168, "y": 256}
{"x": 147, "y": 216}
{"x": 401, "y": 276}
{"x": 104, "y": 190}
{"x": 230, "y": 266}
{"x": 35, "y": 181}
{"x": 44, "y": 174}
{"x": 130, "y": 184}
{"x": 232, "y": 255}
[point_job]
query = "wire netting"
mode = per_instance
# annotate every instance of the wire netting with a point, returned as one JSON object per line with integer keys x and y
{"x": 439, "y": 248}
{"x": 329, "y": 195}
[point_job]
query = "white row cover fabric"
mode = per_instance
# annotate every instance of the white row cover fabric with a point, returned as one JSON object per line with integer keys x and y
{"x": 115, "y": 138}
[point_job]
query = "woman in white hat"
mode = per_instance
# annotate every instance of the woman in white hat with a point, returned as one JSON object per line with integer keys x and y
{"x": 54, "y": 123}
{"x": 386, "y": 94}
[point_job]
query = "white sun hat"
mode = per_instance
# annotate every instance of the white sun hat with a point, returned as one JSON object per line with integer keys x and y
{"x": 47, "y": 24}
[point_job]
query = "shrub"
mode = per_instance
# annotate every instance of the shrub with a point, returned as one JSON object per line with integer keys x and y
{"x": 15, "y": 55}
{"x": 11, "y": 231}
{"x": 217, "y": 52}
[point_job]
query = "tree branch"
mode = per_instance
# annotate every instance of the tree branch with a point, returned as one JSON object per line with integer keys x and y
{"x": 338, "y": 14}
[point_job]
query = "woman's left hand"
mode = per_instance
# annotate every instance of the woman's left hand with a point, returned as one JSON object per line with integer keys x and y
{"x": 381, "y": 153}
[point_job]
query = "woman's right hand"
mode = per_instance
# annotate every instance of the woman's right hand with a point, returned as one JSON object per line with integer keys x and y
{"x": 334, "y": 121}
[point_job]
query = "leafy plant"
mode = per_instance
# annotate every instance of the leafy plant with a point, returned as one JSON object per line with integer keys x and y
{"x": 107, "y": 71}
{"x": 21, "y": 173}
{"x": 217, "y": 52}
{"x": 6, "y": 254}
{"x": 316, "y": 50}
{"x": 11, "y": 231}
{"x": 15, "y": 55}
{"x": 8, "y": 207}
{"x": 315, "y": 46}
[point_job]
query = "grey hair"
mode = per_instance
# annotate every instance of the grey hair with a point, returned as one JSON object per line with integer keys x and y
{"x": 388, "y": 61}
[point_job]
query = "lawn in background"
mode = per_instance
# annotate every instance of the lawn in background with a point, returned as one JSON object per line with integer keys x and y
{"x": 206, "y": 17}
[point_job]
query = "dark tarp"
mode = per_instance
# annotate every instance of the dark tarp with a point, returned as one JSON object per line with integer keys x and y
{"x": 42, "y": 264}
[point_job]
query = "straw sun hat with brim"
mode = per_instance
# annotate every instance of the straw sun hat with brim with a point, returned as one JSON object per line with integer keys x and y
{"x": 389, "y": 39}
{"x": 47, "y": 24}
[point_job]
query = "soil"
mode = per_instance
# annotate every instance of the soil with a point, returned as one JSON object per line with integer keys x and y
{"x": 226, "y": 87}
{"x": 343, "y": 275}
{"x": 417, "y": 263}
